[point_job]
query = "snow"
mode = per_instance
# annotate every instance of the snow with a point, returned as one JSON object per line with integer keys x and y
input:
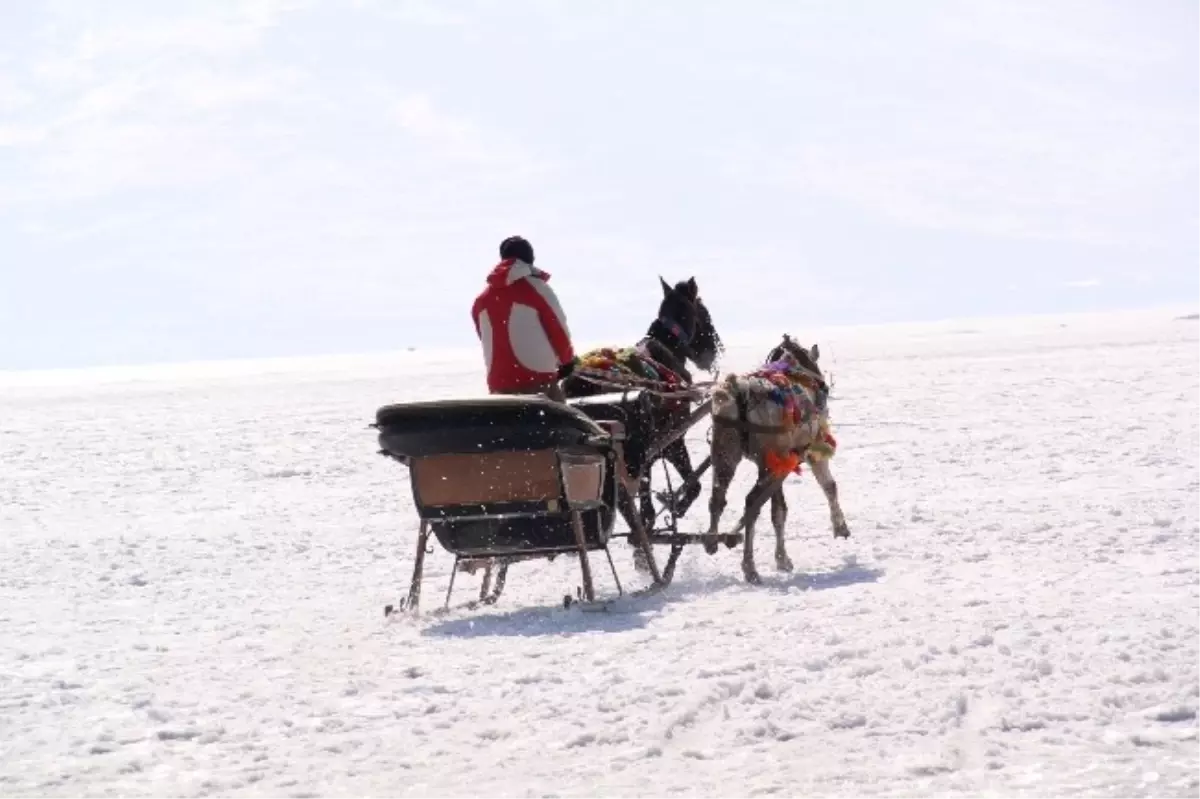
{"x": 195, "y": 562}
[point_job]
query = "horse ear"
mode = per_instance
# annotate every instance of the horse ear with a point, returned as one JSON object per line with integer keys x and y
{"x": 665, "y": 286}
{"x": 693, "y": 289}
{"x": 815, "y": 353}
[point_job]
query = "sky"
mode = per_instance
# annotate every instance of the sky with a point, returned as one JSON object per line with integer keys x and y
{"x": 205, "y": 180}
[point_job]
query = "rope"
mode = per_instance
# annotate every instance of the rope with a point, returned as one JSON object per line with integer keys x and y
{"x": 607, "y": 379}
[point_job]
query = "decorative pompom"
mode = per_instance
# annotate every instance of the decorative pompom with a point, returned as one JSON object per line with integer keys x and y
{"x": 781, "y": 466}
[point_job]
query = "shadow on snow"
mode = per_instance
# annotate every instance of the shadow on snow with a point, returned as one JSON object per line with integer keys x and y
{"x": 628, "y": 613}
{"x": 847, "y": 574}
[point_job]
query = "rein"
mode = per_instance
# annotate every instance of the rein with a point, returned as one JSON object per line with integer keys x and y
{"x": 606, "y": 379}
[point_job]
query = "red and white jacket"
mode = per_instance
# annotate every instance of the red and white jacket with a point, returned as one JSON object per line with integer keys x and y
{"x": 522, "y": 328}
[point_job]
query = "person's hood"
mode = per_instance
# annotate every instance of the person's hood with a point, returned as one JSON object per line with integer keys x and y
{"x": 510, "y": 270}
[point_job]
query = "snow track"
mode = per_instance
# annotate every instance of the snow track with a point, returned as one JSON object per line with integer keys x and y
{"x": 194, "y": 570}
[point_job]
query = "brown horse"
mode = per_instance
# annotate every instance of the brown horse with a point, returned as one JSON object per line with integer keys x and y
{"x": 752, "y": 420}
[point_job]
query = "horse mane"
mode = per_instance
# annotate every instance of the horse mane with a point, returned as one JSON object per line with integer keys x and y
{"x": 706, "y": 332}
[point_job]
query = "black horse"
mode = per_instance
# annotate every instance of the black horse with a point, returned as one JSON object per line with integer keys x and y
{"x": 682, "y": 332}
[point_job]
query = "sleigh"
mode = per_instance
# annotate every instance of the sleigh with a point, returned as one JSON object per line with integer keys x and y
{"x": 497, "y": 480}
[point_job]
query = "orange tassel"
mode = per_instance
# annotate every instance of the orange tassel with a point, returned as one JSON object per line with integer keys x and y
{"x": 781, "y": 466}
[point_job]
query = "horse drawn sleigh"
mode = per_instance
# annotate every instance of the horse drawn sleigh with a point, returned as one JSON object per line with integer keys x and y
{"x": 503, "y": 479}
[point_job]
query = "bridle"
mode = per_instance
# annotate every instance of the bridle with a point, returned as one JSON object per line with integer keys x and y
{"x": 683, "y": 339}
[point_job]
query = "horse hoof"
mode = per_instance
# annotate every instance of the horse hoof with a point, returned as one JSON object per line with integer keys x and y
{"x": 784, "y": 564}
{"x": 753, "y": 578}
{"x": 841, "y": 531}
{"x": 710, "y": 547}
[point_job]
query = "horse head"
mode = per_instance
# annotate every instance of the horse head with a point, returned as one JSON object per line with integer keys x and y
{"x": 806, "y": 359}
{"x": 685, "y": 326}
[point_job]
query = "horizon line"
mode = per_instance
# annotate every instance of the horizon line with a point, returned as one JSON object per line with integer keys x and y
{"x": 740, "y": 338}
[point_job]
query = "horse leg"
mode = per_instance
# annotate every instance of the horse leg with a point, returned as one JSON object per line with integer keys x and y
{"x": 753, "y": 508}
{"x": 631, "y": 502}
{"x": 779, "y": 512}
{"x": 821, "y": 471}
{"x": 636, "y": 480}
{"x": 726, "y": 456}
{"x": 625, "y": 487}
{"x": 678, "y": 456}
{"x": 637, "y": 511}
{"x": 647, "y": 504}
{"x": 646, "y": 510}
{"x": 627, "y": 510}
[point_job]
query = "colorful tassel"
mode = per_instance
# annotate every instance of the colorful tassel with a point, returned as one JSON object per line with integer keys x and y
{"x": 780, "y": 466}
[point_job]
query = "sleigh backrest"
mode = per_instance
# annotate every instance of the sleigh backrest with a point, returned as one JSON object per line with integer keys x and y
{"x": 499, "y": 456}
{"x": 544, "y": 477}
{"x": 484, "y": 478}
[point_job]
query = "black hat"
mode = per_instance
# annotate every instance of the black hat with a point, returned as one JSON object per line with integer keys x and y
{"x": 516, "y": 247}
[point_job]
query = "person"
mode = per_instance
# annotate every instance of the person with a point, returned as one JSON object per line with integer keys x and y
{"x": 527, "y": 345}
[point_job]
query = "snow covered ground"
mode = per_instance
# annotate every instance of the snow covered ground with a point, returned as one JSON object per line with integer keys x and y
{"x": 194, "y": 562}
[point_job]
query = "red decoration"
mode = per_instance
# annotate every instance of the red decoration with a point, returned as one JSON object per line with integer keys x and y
{"x": 781, "y": 466}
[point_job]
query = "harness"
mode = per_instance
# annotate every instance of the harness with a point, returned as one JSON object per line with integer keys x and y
{"x": 746, "y": 427}
{"x": 676, "y": 330}
{"x": 802, "y": 410}
{"x": 677, "y": 339}
{"x": 659, "y": 352}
